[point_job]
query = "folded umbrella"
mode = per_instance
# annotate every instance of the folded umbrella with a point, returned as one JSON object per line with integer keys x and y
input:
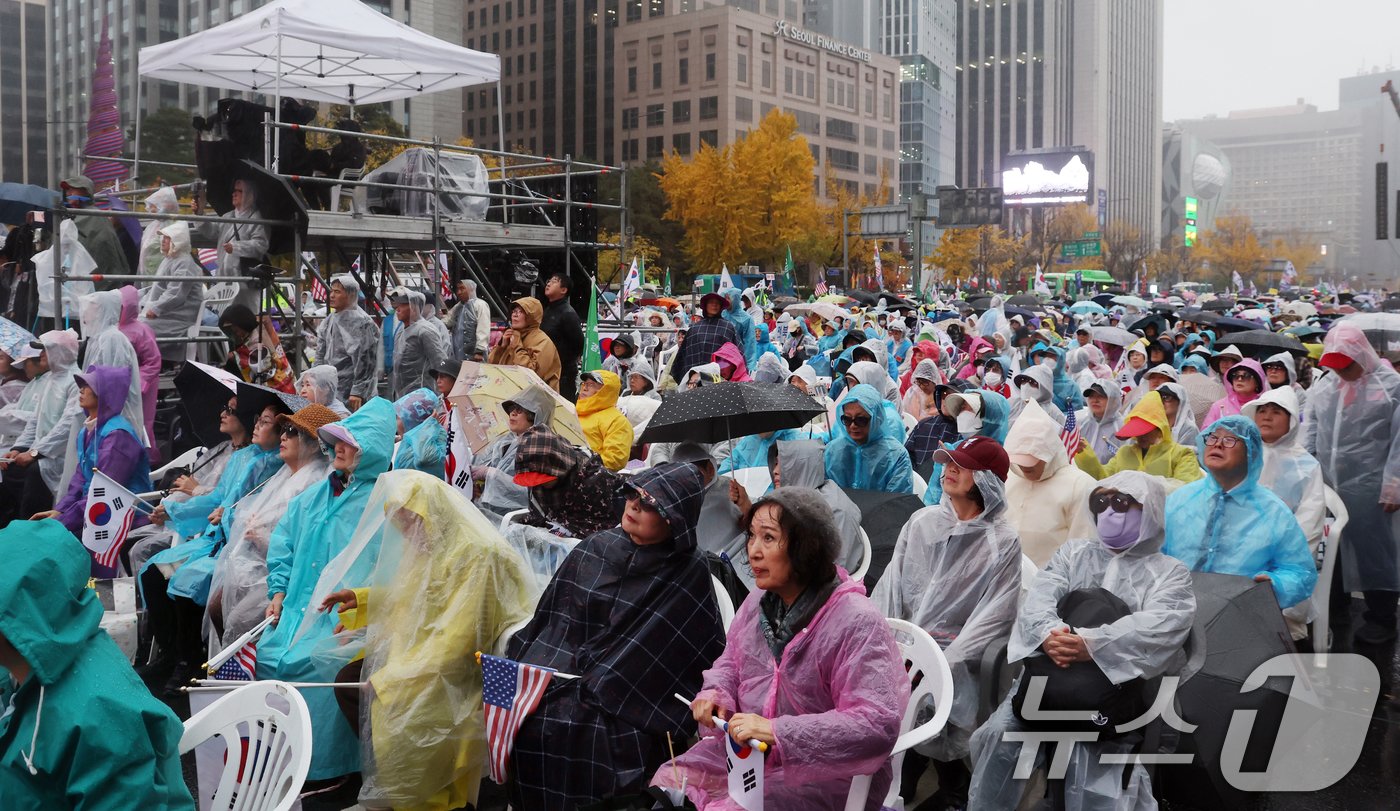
{"x": 728, "y": 410}
{"x": 204, "y": 391}
{"x": 482, "y": 390}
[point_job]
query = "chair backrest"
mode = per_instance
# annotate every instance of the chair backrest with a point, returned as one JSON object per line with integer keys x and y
{"x": 511, "y": 518}
{"x": 266, "y": 727}
{"x": 726, "y": 605}
{"x": 221, "y": 293}
{"x": 1322, "y": 592}
{"x": 865, "y": 554}
{"x": 352, "y": 174}
{"x": 920, "y": 485}
{"x": 185, "y": 459}
{"x": 503, "y": 641}
{"x": 754, "y": 480}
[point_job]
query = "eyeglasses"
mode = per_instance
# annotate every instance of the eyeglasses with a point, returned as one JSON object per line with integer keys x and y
{"x": 1120, "y": 502}
{"x": 227, "y": 410}
{"x": 1225, "y": 441}
{"x": 847, "y": 420}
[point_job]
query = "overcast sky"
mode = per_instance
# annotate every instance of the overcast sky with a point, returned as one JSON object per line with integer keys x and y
{"x": 1223, "y": 55}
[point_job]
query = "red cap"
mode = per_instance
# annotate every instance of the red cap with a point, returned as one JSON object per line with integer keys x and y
{"x": 1137, "y": 426}
{"x": 1334, "y": 360}
{"x": 977, "y": 453}
{"x": 533, "y": 479}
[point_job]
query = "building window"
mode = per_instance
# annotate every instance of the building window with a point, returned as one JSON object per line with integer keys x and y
{"x": 767, "y": 75}
{"x": 629, "y": 149}
{"x": 709, "y": 67}
{"x": 743, "y": 109}
{"x": 843, "y": 159}
{"x": 710, "y": 137}
{"x": 709, "y": 108}
{"x": 787, "y": 80}
{"x": 629, "y": 118}
{"x": 656, "y": 115}
{"x": 681, "y": 142}
{"x": 683, "y": 71}
{"x": 656, "y": 147}
{"x": 632, "y": 80}
{"x": 742, "y": 68}
{"x": 840, "y": 128}
{"x": 655, "y": 75}
{"x": 680, "y": 112}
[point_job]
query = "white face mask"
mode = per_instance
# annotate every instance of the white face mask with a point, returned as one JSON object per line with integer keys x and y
{"x": 969, "y": 423}
{"x": 992, "y": 380}
{"x": 1048, "y": 361}
{"x": 1029, "y": 391}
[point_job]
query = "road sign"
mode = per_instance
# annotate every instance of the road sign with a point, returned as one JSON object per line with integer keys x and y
{"x": 969, "y": 208}
{"x": 884, "y": 221}
{"x": 1093, "y": 235}
{"x": 1081, "y": 248}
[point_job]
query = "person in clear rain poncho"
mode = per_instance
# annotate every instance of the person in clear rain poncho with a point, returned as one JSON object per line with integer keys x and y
{"x": 418, "y": 349}
{"x": 238, "y": 593}
{"x": 424, "y": 584}
{"x": 1036, "y": 384}
{"x": 1098, "y": 421}
{"x": 1230, "y": 524}
{"x": 238, "y": 243}
{"x": 1352, "y": 427}
{"x": 866, "y": 451}
{"x": 956, "y": 573}
{"x": 161, "y": 203}
{"x": 350, "y": 341}
{"x": 318, "y": 384}
{"x": 809, "y": 667}
{"x": 317, "y": 527}
{"x": 1293, "y": 475}
{"x": 143, "y": 343}
{"x": 104, "y": 345}
{"x": 1045, "y": 494}
{"x": 47, "y": 437}
{"x": 799, "y": 463}
{"x": 494, "y": 467}
{"x": 975, "y": 413}
{"x": 171, "y": 306}
{"x": 423, "y": 440}
{"x": 1123, "y": 556}
{"x": 1177, "y": 404}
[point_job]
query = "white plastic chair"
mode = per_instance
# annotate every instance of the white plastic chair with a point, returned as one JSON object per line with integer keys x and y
{"x": 1322, "y": 592}
{"x": 921, "y": 656}
{"x": 865, "y": 554}
{"x": 754, "y": 480}
{"x": 726, "y": 605}
{"x": 345, "y": 174}
{"x": 511, "y": 518}
{"x": 269, "y": 747}
{"x": 920, "y": 486}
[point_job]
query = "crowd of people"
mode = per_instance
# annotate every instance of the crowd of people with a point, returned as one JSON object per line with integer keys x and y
{"x": 1023, "y": 440}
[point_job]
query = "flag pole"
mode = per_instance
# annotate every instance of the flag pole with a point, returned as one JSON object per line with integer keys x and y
{"x": 139, "y": 500}
{"x": 753, "y": 743}
{"x": 220, "y": 685}
{"x": 556, "y": 674}
{"x": 228, "y": 652}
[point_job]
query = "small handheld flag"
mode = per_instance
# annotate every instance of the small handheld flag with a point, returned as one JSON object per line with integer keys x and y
{"x": 1070, "y": 433}
{"x": 745, "y": 767}
{"x": 510, "y": 692}
{"x": 592, "y": 357}
{"x": 879, "y": 269}
{"x": 242, "y": 666}
{"x": 107, "y": 519}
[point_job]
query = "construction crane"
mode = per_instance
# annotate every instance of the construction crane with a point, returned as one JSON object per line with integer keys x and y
{"x": 1389, "y": 87}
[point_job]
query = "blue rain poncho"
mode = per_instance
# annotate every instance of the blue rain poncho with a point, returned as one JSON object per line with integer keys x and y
{"x": 881, "y": 463}
{"x": 996, "y": 422}
{"x": 763, "y": 345}
{"x": 743, "y": 324}
{"x": 316, "y": 528}
{"x": 1068, "y": 397}
{"x": 1246, "y": 531}
{"x": 752, "y": 450}
{"x": 1353, "y": 430}
{"x": 424, "y": 443}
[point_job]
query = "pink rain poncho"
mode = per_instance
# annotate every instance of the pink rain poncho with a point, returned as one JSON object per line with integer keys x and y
{"x": 835, "y": 701}
{"x": 1232, "y": 402}
{"x": 143, "y": 340}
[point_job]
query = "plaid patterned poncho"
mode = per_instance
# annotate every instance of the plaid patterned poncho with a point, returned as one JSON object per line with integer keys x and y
{"x": 702, "y": 341}
{"x": 636, "y": 623}
{"x": 587, "y": 497}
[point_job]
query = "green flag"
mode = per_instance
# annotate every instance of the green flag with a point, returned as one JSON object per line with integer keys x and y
{"x": 592, "y": 359}
{"x": 787, "y": 268}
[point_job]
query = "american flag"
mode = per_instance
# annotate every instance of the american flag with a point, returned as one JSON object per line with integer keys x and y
{"x": 209, "y": 258}
{"x": 510, "y": 692}
{"x": 820, "y": 289}
{"x": 242, "y": 666}
{"x": 1070, "y": 433}
{"x": 444, "y": 278}
{"x": 318, "y": 290}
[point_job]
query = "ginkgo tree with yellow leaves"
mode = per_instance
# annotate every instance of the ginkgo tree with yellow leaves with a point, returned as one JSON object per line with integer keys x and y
{"x": 748, "y": 201}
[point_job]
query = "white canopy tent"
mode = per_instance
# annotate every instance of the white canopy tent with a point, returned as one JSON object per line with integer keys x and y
{"x": 340, "y": 51}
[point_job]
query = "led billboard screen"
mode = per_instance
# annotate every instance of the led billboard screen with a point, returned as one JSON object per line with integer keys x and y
{"x": 1048, "y": 178}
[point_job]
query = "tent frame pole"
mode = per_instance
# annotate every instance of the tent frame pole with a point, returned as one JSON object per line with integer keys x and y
{"x": 501, "y": 138}
{"x": 277, "y": 110}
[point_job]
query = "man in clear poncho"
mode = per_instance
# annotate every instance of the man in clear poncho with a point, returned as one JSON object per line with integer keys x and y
{"x": 104, "y": 345}
{"x": 172, "y": 306}
{"x": 866, "y": 451}
{"x": 956, "y": 573}
{"x": 238, "y": 594}
{"x": 439, "y": 586}
{"x": 1036, "y": 384}
{"x": 318, "y": 384}
{"x": 1230, "y": 524}
{"x": 316, "y": 528}
{"x": 238, "y": 243}
{"x": 43, "y": 447}
{"x": 1123, "y": 556}
{"x": 1353, "y": 429}
{"x": 1099, "y": 420}
{"x": 1045, "y": 494}
{"x": 350, "y": 341}
{"x": 417, "y": 348}
{"x": 1293, "y": 475}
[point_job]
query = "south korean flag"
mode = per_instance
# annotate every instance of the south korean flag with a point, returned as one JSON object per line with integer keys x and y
{"x": 107, "y": 518}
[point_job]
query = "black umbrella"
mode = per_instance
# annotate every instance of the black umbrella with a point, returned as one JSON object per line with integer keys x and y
{"x": 1238, "y": 626}
{"x": 1024, "y": 312}
{"x": 1229, "y": 323}
{"x": 204, "y": 392}
{"x": 882, "y": 516}
{"x": 18, "y": 199}
{"x": 865, "y": 297}
{"x": 1104, "y": 300}
{"x": 1261, "y": 341}
{"x": 252, "y": 399}
{"x": 1220, "y": 304}
{"x": 980, "y": 303}
{"x": 1024, "y": 300}
{"x": 727, "y": 410}
{"x": 1198, "y": 316}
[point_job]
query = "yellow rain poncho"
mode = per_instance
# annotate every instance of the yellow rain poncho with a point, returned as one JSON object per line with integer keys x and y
{"x": 1166, "y": 458}
{"x": 445, "y": 585}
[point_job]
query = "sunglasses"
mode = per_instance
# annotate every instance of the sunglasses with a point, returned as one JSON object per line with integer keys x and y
{"x": 847, "y": 420}
{"x": 1226, "y": 441}
{"x": 1121, "y": 503}
{"x": 227, "y": 410}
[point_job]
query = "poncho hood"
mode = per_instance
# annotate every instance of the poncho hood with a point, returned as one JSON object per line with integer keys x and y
{"x": 1285, "y": 398}
{"x": 1245, "y": 429}
{"x": 1036, "y": 434}
{"x": 1147, "y": 490}
{"x": 801, "y": 463}
{"x": 373, "y": 428}
{"x": 677, "y": 491}
{"x": 604, "y": 398}
{"x": 47, "y": 612}
{"x": 110, "y": 384}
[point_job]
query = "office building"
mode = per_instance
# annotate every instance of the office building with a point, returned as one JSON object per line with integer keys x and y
{"x": 24, "y": 64}
{"x": 1046, "y": 74}
{"x": 630, "y": 82}
{"x": 1194, "y": 170}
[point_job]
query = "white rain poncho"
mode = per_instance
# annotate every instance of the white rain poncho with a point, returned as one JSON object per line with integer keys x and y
{"x": 176, "y": 306}
{"x": 958, "y": 580}
{"x": 801, "y": 464}
{"x": 1295, "y": 477}
{"x": 1290, "y": 365}
{"x": 161, "y": 202}
{"x": 441, "y": 586}
{"x": 238, "y": 590}
{"x": 350, "y": 341}
{"x": 915, "y": 403}
{"x": 1353, "y": 430}
{"x": 56, "y": 410}
{"x": 418, "y": 350}
{"x": 771, "y": 369}
{"x": 1050, "y": 510}
{"x": 499, "y": 493}
{"x": 1145, "y": 644}
{"x": 1044, "y": 392}
{"x": 105, "y": 345}
{"x": 1100, "y": 433}
{"x": 1184, "y": 429}
{"x": 318, "y": 384}
{"x": 875, "y": 376}
{"x": 248, "y": 240}
{"x": 76, "y": 262}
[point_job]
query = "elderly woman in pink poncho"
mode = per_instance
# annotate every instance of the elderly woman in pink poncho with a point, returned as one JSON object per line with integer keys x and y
{"x": 810, "y": 667}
